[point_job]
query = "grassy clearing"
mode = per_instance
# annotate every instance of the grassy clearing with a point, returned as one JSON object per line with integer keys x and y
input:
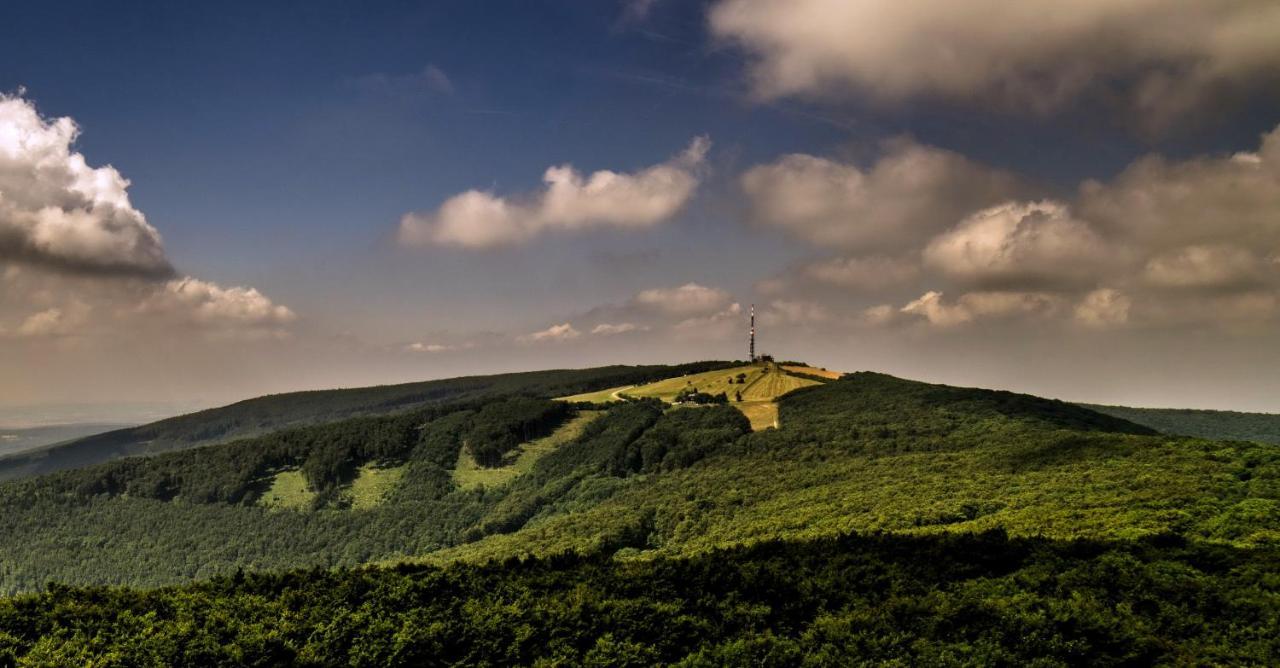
{"x": 372, "y": 485}
{"x": 469, "y": 475}
{"x": 813, "y": 371}
{"x": 762, "y": 414}
{"x": 601, "y": 397}
{"x": 711, "y": 382}
{"x": 763, "y": 382}
{"x": 771, "y": 384}
{"x": 288, "y": 491}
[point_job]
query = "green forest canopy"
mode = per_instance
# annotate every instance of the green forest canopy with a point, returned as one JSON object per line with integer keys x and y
{"x": 649, "y": 515}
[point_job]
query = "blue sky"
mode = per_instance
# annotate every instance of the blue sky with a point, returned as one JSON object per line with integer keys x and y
{"x": 278, "y": 145}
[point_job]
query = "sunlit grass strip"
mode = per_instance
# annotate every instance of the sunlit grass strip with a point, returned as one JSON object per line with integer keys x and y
{"x": 467, "y": 474}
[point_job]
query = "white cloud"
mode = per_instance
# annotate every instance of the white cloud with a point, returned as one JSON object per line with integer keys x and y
{"x": 715, "y": 326}
{"x": 1103, "y": 308}
{"x": 561, "y": 332}
{"x": 974, "y": 306}
{"x": 931, "y": 307}
{"x": 879, "y": 315}
{"x": 569, "y": 201}
{"x": 434, "y": 348}
{"x": 65, "y": 226}
{"x": 1180, "y": 242}
{"x": 1159, "y": 57}
{"x": 688, "y": 299}
{"x": 613, "y": 329}
{"x": 1019, "y": 244}
{"x": 58, "y": 212}
{"x": 1214, "y": 267}
{"x": 54, "y": 322}
{"x": 234, "y": 310}
{"x": 911, "y": 193}
{"x": 1164, "y": 205}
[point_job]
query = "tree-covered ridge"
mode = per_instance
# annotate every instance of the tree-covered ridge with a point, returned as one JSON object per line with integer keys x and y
{"x": 872, "y": 452}
{"x": 1220, "y": 425}
{"x": 265, "y": 414}
{"x": 908, "y": 415}
{"x": 865, "y": 453}
{"x": 328, "y": 455}
{"x": 186, "y": 515}
{"x": 968, "y": 599}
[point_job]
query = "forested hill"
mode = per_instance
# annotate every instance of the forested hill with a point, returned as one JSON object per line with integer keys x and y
{"x": 1223, "y": 425}
{"x": 265, "y": 414}
{"x": 492, "y": 477}
{"x": 883, "y": 520}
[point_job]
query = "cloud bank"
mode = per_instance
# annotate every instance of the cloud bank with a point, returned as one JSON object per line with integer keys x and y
{"x": 568, "y": 201}
{"x": 1192, "y": 242}
{"x": 910, "y": 193}
{"x": 1158, "y": 58}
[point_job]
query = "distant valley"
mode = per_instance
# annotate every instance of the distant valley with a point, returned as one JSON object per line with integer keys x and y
{"x": 14, "y": 440}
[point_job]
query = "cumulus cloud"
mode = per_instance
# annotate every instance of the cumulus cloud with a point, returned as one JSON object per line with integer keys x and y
{"x": 58, "y": 212}
{"x": 80, "y": 260}
{"x": 568, "y": 201}
{"x": 909, "y": 194}
{"x": 562, "y": 332}
{"x": 685, "y": 300}
{"x": 436, "y": 348}
{"x": 879, "y": 315}
{"x": 1103, "y": 308}
{"x": 1210, "y": 267}
{"x": 1019, "y": 244}
{"x": 974, "y": 306}
{"x": 931, "y": 307}
{"x": 54, "y": 322}
{"x": 1161, "y": 58}
{"x": 1168, "y": 204}
{"x": 206, "y": 302}
{"x": 613, "y": 329}
{"x": 1193, "y": 241}
{"x": 688, "y": 311}
{"x": 715, "y": 326}
{"x": 235, "y": 312}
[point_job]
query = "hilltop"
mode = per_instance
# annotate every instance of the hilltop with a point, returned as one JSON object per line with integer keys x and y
{"x": 751, "y": 388}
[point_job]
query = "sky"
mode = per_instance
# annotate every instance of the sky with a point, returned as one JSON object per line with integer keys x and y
{"x": 203, "y": 202}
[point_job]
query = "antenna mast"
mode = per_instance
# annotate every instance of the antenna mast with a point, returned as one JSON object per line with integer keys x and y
{"x": 753, "y": 333}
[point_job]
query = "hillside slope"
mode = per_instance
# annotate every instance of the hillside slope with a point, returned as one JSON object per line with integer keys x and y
{"x": 269, "y": 413}
{"x": 1221, "y": 425}
{"x": 885, "y": 521}
{"x": 865, "y": 453}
